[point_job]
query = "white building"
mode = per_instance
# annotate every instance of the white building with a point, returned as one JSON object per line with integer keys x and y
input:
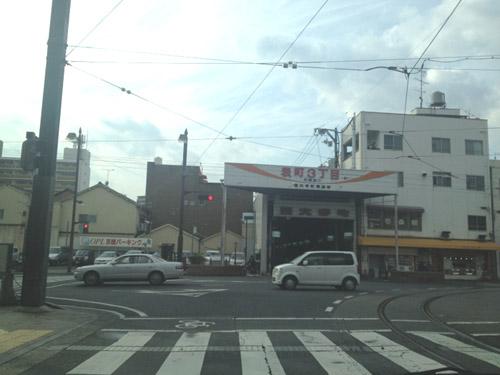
{"x": 443, "y": 194}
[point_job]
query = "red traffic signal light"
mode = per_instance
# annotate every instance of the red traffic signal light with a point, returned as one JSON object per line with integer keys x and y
{"x": 85, "y": 227}
{"x": 204, "y": 198}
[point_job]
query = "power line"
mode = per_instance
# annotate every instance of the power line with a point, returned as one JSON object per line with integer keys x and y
{"x": 265, "y": 77}
{"x": 436, "y": 35}
{"x": 97, "y": 25}
{"x": 456, "y": 58}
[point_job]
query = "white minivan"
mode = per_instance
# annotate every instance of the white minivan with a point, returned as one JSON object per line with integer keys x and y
{"x": 330, "y": 268}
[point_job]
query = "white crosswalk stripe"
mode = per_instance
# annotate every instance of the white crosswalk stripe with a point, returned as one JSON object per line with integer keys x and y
{"x": 262, "y": 359}
{"x": 264, "y": 352}
{"x": 459, "y": 346}
{"x": 400, "y": 355}
{"x": 332, "y": 358}
{"x": 187, "y": 355}
{"x": 107, "y": 361}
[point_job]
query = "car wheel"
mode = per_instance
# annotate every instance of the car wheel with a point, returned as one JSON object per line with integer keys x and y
{"x": 91, "y": 278}
{"x": 290, "y": 283}
{"x": 349, "y": 283}
{"x": 156, "y": 278}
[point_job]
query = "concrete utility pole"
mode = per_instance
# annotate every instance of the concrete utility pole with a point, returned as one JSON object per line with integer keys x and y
{"x": 73, "y": 212}
{"x": 223, "y": 223}
{"x": 37, "y": 237}
{"x": 335, "y": 141}
{"x": 180, "y": 239}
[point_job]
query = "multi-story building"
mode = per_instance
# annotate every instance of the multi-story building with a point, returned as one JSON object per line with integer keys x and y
{"x": 11, "y": 172}
{"x": 444, "y": 199}
{"x": 202, "y": 218}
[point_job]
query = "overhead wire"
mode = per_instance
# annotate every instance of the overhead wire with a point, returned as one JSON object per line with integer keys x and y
{"x": 265, "y": 77}
{"x": 97, "y": 25}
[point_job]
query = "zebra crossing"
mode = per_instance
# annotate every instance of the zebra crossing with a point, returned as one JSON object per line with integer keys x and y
{"x": 253, "y": 352}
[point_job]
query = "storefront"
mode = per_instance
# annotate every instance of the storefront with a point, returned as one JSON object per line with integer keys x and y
{"x": 300, "y": 209}
{"x": 454, "y": 259}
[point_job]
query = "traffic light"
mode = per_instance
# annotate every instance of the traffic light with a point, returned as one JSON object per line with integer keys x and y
{"x": 85, "y": 227}
{"x": 204, "y": 198}
{"x": 29, "y": 152}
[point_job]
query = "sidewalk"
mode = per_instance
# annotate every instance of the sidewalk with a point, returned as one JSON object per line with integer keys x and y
{"x": 22, "y": 330}
{"x": 25, "y": 332}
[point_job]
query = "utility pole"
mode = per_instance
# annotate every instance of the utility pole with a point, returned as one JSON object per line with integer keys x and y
{"x": 75, "y": 194}
{"x": 37, "y": 238}
{"x": 334, "y": 140}
{"x": 180, "y": 239}
{"x": 223, "y": 222}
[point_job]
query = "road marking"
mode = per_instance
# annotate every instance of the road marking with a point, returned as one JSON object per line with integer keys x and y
{"x": 13, "y": 339}
{"x": 152, "y": 318}
{"x": 245, "y": 330}
{"x": 400, "y": 355}
{"x": 329, "y": 309}
{"x": 461, "y": 347}
{"x": 262, "y": 360}
{"x": 120, "y": 315}
{"x": 362, "y": 294}
{"x": 108, "y": 360}
{"x": 378, "y": 291}
{"x": 63, "y": 284}
{"x": 348, "y": 297}
{"x": 396, "y": 290}
{"x": 191, "y": 324}
{"x": 336, "y": 302}
{"x": 182, "y": 292}
{"x": 187, "y": 355}
{"x": 484, "y": 322}
{"x": 138, "y": 312}
{"x": 331, "y": 357}
{"x": 485, "y": 334}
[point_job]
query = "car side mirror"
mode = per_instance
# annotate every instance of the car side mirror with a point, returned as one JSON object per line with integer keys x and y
{"x": 305, "y": 262}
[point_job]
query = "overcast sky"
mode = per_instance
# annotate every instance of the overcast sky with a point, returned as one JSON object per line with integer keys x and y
{"x": 135, "y": 47}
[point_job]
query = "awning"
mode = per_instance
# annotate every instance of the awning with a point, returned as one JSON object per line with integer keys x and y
{"x": 427, "y": 243}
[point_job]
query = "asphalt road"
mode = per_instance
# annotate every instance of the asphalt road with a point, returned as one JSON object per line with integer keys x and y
{"x": 248, "y": 326}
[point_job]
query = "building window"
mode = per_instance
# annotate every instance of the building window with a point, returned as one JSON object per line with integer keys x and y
{"x": 372, "y": 140}
{"x": 475, "y": 183}
{"x": 473, "y": 147}
{"x": 393, "y": 142}
{"x": 401, "y": 179}
{"x": 1, "y": 213}
{"x": 476, "y": 222}
{"x": 347, "y": 150}
{"x": 383, "y": 218}
{"x": 441, "y": 145}
{"x": 441, "y": 179}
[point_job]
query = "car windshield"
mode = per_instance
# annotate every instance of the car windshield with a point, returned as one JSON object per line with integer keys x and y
{"x": 296, "y": 260}
{"x": 81, "y": 252}
{"x": 54, "y": 250}
{"x": 107, "y": 254}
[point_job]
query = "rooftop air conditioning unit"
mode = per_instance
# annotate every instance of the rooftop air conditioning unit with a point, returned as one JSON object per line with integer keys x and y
{"x": 481, "y": 237}
{"x": 445, "y": 235}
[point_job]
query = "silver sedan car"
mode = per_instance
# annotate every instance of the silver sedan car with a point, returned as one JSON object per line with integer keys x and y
{"x": 137, "y": 267}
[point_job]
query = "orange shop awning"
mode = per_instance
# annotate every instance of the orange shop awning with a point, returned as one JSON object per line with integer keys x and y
{"x": 427, "y": 243}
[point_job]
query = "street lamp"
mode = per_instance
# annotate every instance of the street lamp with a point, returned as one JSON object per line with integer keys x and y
{"x": 78, "y": 140}
{"x": 183, "y": 138}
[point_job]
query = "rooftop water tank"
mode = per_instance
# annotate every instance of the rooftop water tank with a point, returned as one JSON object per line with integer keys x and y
{"x": 158, "y": 161}
{"x": 438, "y": 99}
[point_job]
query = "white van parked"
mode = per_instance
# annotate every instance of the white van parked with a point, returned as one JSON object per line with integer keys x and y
{"x": 330, "y": 268}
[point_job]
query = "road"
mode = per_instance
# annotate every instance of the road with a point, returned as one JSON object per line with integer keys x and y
{"x": 248, "y": 326}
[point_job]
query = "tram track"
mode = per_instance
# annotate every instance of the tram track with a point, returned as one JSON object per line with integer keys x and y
{"x": 405, "y": 336}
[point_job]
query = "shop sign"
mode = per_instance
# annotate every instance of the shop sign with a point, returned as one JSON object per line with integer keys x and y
{"x": 89, "y": 241}
{"x": 311, "y": 174}
{"x": 313, "y": 210}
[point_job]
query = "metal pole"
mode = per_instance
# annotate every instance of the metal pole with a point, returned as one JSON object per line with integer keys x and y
{"x": 37, "y": 239}
{"x": 246, "y": 238}
{"x": 336, "y": 144}
{"x": 180, "y": 238}
{"x": 223, "y": 224}
{"x": 73, "y": 212}
{"x": 396, "y": 230}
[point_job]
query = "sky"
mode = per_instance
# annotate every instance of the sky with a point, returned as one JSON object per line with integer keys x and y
{"x": 216, "y": 69}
